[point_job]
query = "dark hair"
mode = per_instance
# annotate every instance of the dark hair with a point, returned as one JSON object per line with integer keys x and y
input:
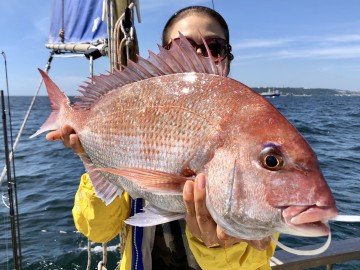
{"x": 190, "y": 10}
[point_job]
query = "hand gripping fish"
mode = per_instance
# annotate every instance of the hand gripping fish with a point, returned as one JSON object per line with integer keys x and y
{"x": 155, "y": 125}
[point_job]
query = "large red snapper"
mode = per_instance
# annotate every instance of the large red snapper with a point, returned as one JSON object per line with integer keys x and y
{"x": 147, "y": 133}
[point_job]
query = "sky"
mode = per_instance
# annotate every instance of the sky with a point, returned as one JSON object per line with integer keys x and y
{"x": 277, "y": 43}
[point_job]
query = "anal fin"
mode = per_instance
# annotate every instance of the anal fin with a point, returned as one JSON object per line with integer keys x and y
{"x": 152, "y": 216}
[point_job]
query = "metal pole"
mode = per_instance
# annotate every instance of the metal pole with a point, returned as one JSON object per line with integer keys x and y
{"x": 110, "y": 20}
{"x": 91, "y": 66}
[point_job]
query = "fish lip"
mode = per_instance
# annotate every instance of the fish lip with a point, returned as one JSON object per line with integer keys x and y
{"x": 313, "y": 229}
{"x": 301, "y": 214}
{"x": 308, "y": 220}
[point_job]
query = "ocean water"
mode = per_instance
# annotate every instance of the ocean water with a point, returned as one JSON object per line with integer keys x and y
{"x": 48, "y": 175}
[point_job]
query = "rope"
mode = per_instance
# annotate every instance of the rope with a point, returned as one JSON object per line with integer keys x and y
{"x": 62, "y": 30}
{"x": 102, "y": 264}
{"x": 89, "y": 255}
{"x": 104, "y": 253}
{"x": 120, "y": 43}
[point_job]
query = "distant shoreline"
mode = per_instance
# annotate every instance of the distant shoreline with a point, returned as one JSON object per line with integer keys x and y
{"x": 299, "y": 91}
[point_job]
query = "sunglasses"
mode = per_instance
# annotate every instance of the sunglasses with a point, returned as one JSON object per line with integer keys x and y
{"x": 217, "y": 46}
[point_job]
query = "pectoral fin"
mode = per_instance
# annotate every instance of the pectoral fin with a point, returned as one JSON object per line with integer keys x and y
{"x": 150, "y": 180}
{"x": 104, "y": 189}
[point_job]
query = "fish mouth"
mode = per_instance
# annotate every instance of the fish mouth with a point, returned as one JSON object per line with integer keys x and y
{"x": 314, "y": 229}
{"x": 310, "y": 221}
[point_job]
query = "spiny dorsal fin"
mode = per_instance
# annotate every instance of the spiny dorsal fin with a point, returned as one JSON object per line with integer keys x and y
{"x": 180, "y": 58}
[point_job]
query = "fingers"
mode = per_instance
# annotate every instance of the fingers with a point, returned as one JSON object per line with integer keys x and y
{"x": 75, "y": 144}
{"x": 205, "y": 222}
{"x": 228, "y": 240}
{"x": 198, "y": 219}
{"x": 69, "y": 138}
{"x": 200, "y": 222}
{"x": 225, "y": 239}
{"x": 66, "y": 131}
{"x": 260, "y": 244}
{"x": 191, "y": 221}
{"x": 54, "y": 135}
{"x": 61, "y": 134}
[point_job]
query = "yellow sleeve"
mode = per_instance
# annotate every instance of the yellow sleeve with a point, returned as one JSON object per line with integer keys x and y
{"x": 93, "y": 218}
{"x": 101, "y": 223}
{"x": 238, "y": 256}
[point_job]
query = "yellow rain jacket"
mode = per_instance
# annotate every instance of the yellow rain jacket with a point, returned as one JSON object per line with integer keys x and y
{"x": 101, "y": 223}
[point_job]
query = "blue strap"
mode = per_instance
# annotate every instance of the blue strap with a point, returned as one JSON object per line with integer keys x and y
{"x": 137, "y": 237}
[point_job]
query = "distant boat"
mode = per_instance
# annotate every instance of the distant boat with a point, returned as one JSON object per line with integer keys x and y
{"x": 270, "y": 93}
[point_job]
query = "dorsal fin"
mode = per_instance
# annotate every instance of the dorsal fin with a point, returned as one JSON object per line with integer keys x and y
{"x": 180, "y": 58}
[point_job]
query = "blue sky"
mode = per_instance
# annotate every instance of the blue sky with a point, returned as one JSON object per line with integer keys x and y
{"x": 296, "y": 43}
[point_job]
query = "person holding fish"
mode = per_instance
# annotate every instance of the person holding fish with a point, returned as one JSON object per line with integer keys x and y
{"x": 206, "y": 239}
{"x": 168, "y": 245}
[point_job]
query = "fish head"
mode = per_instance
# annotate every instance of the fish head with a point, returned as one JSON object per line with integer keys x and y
{"x": 271, "y": 179}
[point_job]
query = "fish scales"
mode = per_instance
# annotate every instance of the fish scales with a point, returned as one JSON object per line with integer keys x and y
{"x": 162, "y": 127}
{"x": 149, "y": 134}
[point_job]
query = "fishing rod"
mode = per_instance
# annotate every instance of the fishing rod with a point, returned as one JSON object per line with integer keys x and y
{"x": 10, "y": 186}
{"x": 15, "y": 225}
{"x": 17, "y": 221}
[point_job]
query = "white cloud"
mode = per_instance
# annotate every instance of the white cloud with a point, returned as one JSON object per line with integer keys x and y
{"x": 324, "y": 47}
{"x": 343, "y": 38}
{"x": 345, "y": 52}
{"x": 261, "y": 43}
{"x": 298, "y": 40}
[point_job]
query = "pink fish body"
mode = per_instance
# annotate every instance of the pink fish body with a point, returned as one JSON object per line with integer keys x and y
{"x": 147, "y": 133}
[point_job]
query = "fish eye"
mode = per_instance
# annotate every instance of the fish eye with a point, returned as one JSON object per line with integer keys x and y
{"x": 271, "y": 159}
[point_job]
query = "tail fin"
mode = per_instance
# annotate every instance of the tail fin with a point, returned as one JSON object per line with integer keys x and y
{"x": 57, "y": 97}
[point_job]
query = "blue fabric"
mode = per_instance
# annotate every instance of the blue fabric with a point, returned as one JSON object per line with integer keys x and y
{"x": 137, "y": 236}
{"x": 82, "y": 21}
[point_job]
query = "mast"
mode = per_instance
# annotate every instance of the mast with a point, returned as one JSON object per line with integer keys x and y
{"x": 114, "y": 37}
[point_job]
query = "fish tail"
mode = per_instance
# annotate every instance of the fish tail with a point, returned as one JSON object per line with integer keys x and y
{"x": 57, "y": 100}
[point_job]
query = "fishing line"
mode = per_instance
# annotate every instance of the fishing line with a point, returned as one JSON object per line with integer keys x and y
{"x": 346, "y": 218}
{"x": 304, "y": 252}
{"x": 340, "y": 218}
{"x": 5, "y": 200}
